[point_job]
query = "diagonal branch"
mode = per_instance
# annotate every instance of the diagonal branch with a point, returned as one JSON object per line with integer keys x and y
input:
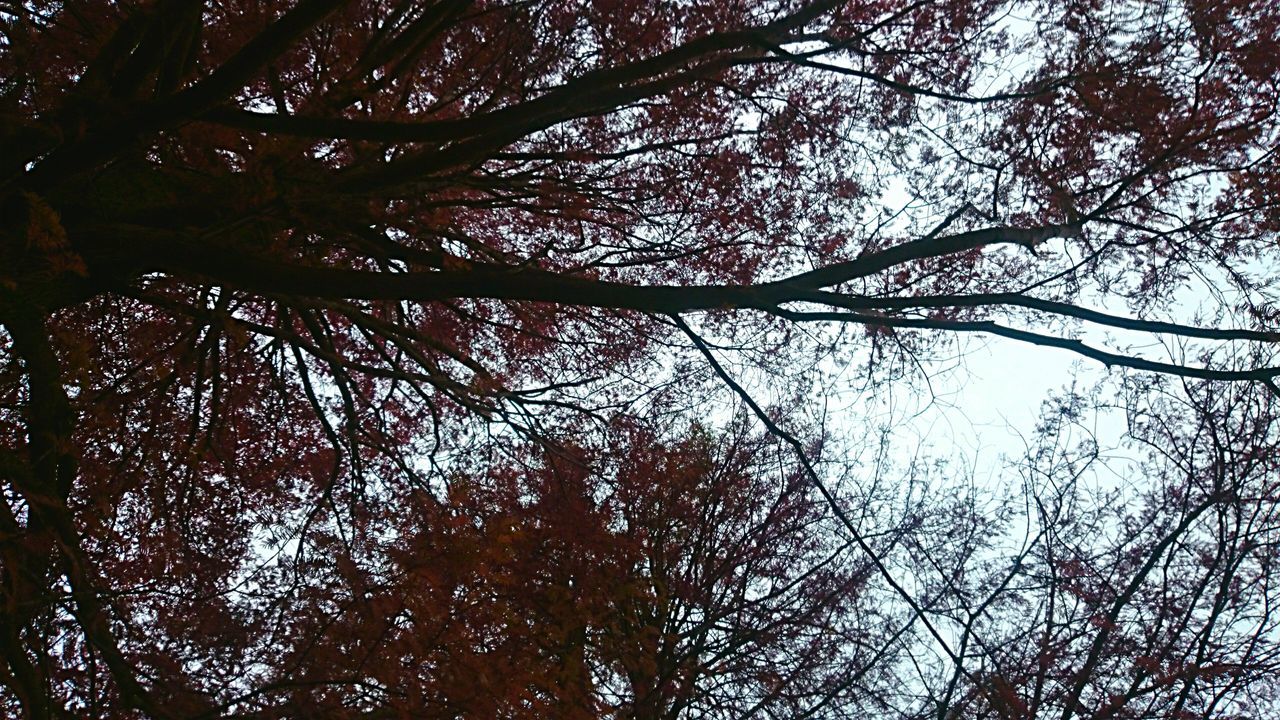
{"x": 812, "y": 473}
{"x": 927, "y": 247}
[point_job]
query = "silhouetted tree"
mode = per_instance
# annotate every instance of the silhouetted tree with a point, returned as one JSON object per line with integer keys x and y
{"x": 359, "y": 359}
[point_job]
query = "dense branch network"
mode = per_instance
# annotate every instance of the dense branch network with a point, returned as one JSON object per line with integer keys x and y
{"x": 362, "y": 283}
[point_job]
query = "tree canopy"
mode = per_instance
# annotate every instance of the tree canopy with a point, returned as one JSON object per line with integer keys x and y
{"x": 455, "y": 358}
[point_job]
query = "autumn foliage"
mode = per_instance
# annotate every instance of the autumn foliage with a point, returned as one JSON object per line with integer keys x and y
{"x": 400, "y": 359}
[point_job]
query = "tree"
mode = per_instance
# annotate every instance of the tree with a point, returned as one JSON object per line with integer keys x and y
{"x": 298, "y": 296}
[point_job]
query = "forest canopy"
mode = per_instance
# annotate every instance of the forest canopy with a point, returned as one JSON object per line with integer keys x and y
{"x": 456, "y": 358}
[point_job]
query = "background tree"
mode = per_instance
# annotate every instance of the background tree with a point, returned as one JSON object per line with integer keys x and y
{"x": 682, "y": 575}
{"x": 297, "y": 295}
{"x": 1149, "y": 597}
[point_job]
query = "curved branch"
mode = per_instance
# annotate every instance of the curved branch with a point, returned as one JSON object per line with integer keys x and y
{"x": 1263, "y": 374}
{"x": 165, "y": 252}
{"x": 1049, "y": 306}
